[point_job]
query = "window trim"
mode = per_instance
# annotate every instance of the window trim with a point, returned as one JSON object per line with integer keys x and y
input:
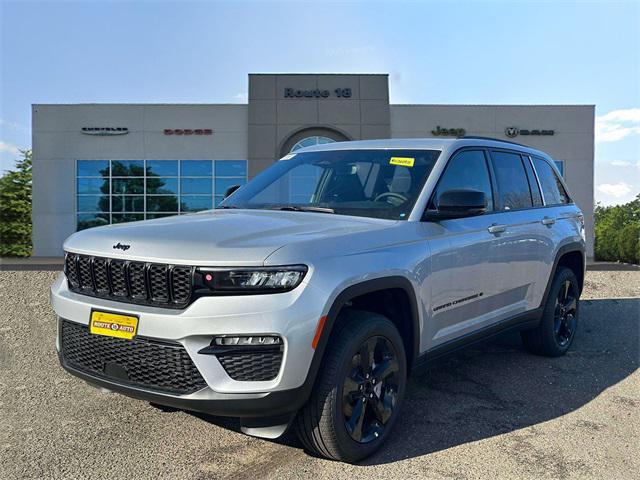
{"x": 493, "y": 182}
{"x": 535, "y": 174}
{"x": 533, "y": 182}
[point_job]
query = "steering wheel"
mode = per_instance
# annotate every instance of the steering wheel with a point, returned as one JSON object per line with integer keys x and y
{"x": 394, "y": 195}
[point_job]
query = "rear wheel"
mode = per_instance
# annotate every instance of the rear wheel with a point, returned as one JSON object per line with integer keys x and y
{"x": 557, "y": 329}
{"x": 359, "y": 389}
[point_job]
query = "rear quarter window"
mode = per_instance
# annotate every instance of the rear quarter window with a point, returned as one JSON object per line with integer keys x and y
{"x": 552, "y": 189}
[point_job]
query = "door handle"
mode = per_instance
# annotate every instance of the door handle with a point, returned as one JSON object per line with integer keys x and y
{"x": 495, "y": 228}
{"x": 548, "y": 221}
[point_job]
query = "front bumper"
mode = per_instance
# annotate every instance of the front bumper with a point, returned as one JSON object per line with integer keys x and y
{"x": 293, "y": 316}
{"x": 245, "y": 405}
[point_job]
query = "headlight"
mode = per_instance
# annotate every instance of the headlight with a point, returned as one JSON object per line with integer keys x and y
{"x": 228, "y": 281}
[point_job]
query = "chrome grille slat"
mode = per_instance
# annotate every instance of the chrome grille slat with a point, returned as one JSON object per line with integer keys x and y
{"x": 130, "y": 281}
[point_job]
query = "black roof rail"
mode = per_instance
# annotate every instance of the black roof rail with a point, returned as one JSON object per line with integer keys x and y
{"x": 475, "y": 137}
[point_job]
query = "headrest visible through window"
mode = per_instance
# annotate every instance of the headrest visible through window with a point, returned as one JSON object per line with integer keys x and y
{"x": 401, "y": 181}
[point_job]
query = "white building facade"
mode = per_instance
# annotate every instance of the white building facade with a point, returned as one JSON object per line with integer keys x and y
{"x": 96, "y": 164}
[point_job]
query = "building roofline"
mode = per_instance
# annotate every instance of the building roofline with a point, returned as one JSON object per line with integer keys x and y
{"x": 140, "y": 104}
{"x": 220, "y": 104}
{"x": 316, "y": 73}
{"x": 492, "y": 105}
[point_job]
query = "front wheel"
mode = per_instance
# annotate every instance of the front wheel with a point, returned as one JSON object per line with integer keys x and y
{"x": 557, "y": 329}
{"x": 358, "y": 392}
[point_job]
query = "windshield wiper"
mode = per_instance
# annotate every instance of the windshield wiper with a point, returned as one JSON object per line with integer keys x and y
{"x": 225, "y": 206}
{"x": 294, "y": 208}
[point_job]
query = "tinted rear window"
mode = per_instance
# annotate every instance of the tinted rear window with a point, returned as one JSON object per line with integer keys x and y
{"x": 552, "y": 189}
{"x": 513, "y": 187}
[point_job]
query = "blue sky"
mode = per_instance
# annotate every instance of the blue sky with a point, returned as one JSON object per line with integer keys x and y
{"x": 453, "y": 52}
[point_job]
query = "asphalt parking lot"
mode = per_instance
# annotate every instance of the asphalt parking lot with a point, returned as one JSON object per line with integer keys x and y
{"x": 492, "y": 411}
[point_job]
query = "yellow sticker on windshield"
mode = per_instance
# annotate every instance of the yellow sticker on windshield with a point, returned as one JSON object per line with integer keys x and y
{"x": 403, "y": 161}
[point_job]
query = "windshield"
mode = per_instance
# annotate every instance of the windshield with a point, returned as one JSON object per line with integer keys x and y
{"x": 367, "y": 183}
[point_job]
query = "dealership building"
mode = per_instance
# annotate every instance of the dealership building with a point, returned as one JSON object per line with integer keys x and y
{"x": 95, "y": 164}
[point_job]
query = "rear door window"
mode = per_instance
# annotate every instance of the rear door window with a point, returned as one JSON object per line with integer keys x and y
{"x": 552, "y": 188}
{"x": 513, "y": 186}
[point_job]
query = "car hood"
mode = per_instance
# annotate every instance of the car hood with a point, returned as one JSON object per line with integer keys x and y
{"x": 217, "y": 237}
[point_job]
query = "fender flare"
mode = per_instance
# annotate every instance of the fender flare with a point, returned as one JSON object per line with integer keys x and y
{"x": 353, "y": 291}
{"x": 563, "y": 250}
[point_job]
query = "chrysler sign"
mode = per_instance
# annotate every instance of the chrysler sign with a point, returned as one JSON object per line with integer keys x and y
{"x": 104, "y": 130}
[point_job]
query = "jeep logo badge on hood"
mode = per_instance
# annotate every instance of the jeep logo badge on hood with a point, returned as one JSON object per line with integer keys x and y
{"x": 120, "y": 246}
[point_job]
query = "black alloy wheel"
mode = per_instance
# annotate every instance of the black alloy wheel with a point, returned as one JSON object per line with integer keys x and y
{"x": 358, "y": 392}
{"x": 564, "y": 321}
{"x": 370, "y": 390}
{"x": 559, "y": 319}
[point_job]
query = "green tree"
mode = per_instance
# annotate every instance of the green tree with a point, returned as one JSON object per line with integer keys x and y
{"x": 617, "y": 231}
{"x": 15, "y": 209}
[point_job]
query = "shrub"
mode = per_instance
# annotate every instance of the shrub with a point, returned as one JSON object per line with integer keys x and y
{"x": 617, "y": 232}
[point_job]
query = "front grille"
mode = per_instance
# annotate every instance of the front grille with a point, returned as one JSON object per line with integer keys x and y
{"x": 141, "y": 362}
{"x": 261, "y": 363}
{"x": 128, "y": 281}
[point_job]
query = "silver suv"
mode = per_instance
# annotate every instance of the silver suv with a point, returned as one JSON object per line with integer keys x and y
{"x": 309, "y": 296}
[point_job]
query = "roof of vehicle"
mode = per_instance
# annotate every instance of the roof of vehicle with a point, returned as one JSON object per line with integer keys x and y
{"x": 421, "y": 144}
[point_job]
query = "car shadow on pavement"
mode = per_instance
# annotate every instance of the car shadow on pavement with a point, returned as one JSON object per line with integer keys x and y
{"x": 497, "y": 387}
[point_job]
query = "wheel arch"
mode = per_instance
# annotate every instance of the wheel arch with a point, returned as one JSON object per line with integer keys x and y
{"x": 571, "y": 255}
{"x": 359, "y": 290}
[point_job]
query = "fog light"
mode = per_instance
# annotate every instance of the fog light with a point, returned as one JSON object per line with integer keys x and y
{"x": 242, "y": 341}
{"x": 228, "y": 345}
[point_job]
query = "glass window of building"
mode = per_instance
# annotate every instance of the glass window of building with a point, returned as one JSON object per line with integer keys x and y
{"x": 117, "y": 191}
{"x": 310, "y": 141}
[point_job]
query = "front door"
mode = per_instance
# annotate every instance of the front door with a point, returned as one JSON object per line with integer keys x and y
{"x": 465, "y": 256}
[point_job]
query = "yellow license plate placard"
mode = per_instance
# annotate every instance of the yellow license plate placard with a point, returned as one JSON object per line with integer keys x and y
{"x": 113, "y": 324}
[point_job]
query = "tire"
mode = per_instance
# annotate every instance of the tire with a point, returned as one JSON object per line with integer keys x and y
{"x": 557, "y": 329}
{"x": 324, "y": 423}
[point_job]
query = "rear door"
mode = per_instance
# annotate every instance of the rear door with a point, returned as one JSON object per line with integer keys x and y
{"x": 523, "y": 241}
{"x": 558, "y": 219}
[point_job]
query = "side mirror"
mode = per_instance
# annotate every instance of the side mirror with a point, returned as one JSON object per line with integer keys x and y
{"x": 230, "y": 190}
{"x": 458, "y": 204}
